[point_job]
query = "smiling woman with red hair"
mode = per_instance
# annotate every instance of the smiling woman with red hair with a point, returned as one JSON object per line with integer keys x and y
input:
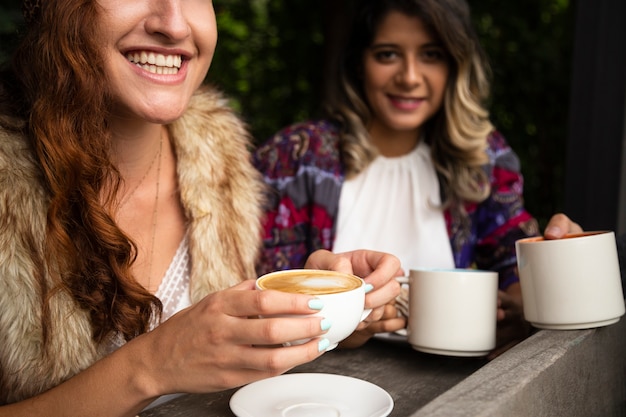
{"x": 130, "y": 219}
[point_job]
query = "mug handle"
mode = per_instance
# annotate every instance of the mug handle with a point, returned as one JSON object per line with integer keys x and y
{"x": 403, "y": 279}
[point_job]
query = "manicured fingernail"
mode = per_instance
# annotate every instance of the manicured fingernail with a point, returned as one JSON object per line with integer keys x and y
{"x": 323, "y": 345}
{"x": 316, "y": 304}
{"x": 368, "y": 288}
{"x": 325, "y": 324}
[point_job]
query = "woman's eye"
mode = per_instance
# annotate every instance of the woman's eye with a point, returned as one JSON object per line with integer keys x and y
{"x": 385, "y": 55}
{"x": 434, "y": 55}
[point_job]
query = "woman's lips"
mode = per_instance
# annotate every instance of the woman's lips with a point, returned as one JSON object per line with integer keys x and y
{"x": 405, "y": 103}
{"x": 156, "y": 63}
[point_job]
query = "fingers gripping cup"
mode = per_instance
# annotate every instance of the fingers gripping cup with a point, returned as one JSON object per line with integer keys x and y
{"x": 570, "y": 283}
{"x": 343, "y": 296}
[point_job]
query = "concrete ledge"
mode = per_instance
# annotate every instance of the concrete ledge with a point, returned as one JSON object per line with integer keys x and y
{"x": 553, "y": 373}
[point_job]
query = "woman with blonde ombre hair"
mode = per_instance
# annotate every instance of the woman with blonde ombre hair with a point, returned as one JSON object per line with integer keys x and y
{"x": 405, "y": 161}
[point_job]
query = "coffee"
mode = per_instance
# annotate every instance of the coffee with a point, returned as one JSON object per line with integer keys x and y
{"x": 342, "y": 296}
{"x": 309, "y": 282}
{"x": 567, "y": 236}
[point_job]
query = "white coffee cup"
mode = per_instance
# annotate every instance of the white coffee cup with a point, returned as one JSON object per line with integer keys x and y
{"x": 570, "y": 283}
{"x": 343, "y": 296}
{"x": 452, "y": 311}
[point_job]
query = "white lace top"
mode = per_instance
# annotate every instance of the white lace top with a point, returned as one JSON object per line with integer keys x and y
{"x": 173, "y": 291}
{"x": 174, "y": 295}
{"x": 394, "y": 206}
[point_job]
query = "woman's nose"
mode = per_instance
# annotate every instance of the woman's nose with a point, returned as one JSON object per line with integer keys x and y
{"x": 410, "y": 73}
{"x": 168, "y": 18}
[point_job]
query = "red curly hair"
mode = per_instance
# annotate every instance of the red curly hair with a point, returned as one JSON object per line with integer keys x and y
{"x": 60, "y": 92}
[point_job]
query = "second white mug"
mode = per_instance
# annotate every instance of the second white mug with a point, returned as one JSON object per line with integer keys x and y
{"x": 453, "y": 311}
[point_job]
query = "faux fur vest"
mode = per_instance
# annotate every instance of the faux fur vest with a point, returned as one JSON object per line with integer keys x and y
{"x": 221, "y": 193}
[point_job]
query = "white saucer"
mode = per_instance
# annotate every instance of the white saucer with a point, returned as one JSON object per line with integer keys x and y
{"x": 400, "y": 336}
{"x": 447, "y": 352}
{"x": 575, "y": 326}
{"x": 311, "y": 395}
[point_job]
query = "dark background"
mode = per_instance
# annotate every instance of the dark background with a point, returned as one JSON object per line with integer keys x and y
{"x": 558, "y": 84}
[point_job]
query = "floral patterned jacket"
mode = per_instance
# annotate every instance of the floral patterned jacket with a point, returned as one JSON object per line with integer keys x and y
{"x": 303, "y": 167}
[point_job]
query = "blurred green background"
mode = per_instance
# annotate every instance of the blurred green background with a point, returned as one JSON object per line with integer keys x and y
{"x": 272, "y": 55}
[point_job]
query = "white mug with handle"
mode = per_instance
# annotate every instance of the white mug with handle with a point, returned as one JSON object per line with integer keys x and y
{"x": 452, "y": 312}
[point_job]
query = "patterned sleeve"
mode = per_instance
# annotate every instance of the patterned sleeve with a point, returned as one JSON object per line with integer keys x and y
{"x": 300, "y": 164}
{"x": 502, "y": 219}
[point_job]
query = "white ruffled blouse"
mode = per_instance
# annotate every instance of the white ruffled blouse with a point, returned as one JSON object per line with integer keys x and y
{"x": 394, "y": 206}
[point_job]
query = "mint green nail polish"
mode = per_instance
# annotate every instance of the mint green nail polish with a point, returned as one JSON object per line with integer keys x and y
{"x": 323, "y": 345}
{"x": 325, "y": 324}
{"x": 368, "y": 288}
{"x": 316, "y": 304}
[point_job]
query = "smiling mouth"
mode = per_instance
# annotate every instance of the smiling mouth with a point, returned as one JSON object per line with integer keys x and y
{"x": 406, "y": 103}
{"x": 156, "y": 63}
{"x": 406, "y": 100}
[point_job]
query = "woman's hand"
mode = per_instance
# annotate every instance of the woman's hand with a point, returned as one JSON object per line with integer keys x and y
{"x": 390, "y": 321}
{"x": 379, "y": 270}
{"x": 560, "y": 225}
{"x": 215, "y": 344}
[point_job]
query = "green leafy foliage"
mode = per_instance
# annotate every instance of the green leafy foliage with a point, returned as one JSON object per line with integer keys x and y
{"x": 10, "y": 20}
{"x": 269, "y": 60}
{"x": 530, "y": 47}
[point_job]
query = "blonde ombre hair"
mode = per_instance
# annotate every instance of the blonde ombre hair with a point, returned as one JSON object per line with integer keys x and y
{"x": 458, "y": 133}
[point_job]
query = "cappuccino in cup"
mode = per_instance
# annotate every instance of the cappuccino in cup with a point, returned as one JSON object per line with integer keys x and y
{"x": 307, "y": 282}
{"x": 343, "y": 296}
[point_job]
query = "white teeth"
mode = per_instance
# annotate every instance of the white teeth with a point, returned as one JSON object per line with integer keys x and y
{"x": 158, "y": 70}
{"x": 156, "y": 63}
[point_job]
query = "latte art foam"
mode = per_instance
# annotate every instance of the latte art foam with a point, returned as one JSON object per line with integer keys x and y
{"x": 309, "y": 283}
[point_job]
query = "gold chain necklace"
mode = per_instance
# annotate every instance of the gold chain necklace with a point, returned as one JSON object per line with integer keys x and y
{"x": 157, "y": 156}
{"x": 136, "y": 187}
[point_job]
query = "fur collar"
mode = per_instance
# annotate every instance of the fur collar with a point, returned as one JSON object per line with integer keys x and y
{"x": 221, "y": 194}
